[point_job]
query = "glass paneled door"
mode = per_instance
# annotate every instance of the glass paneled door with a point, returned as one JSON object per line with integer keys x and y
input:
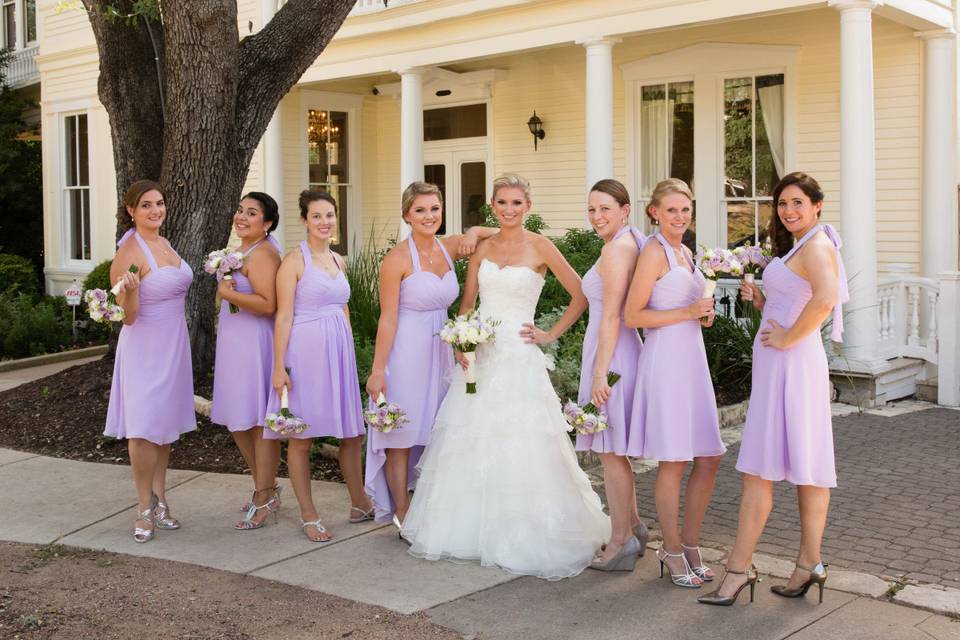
{"x": 328, "y": 164}
{"x": 461, "y": 175}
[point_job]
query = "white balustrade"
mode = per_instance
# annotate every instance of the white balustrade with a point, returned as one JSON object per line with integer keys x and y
{"x": 907, "y": 313}
{"x": 364, "y": 7}
{"x": 22, "y": 69}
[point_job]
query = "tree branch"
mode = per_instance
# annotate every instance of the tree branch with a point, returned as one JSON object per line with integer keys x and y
{"x": 273, "y": 60}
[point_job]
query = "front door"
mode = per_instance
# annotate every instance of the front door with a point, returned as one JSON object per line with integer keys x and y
{"x": 461, "y": 173}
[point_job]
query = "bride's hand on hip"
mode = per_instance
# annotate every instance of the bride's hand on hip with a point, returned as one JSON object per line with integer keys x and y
{"x": 531, "y": 334}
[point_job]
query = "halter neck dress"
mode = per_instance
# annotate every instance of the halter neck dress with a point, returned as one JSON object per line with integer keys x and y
{"x": 417, "y": 375}
{"x": 244, "y": 362}
{"x": 674, "y": 407}
{"x": 626, "y": 353}
{"x": 321, "y": 357}
{"x": 789, "y": 430}
{"x": 151, "y": 395}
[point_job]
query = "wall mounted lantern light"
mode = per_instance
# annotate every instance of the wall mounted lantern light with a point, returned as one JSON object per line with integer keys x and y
{"x": 536, "y": 128}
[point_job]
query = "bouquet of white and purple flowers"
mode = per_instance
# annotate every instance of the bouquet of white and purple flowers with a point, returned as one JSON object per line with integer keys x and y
{"x": 714, "y": 264}
{"x": 587, "y": 420}
{"x": 283, "y": 421}
{"x": 222, "y": 263}
{"x": 754, "y": 260}
{"x": 102, "y": 305}
{"x": 385, "y": 417}
{"x": 465, "y": 334}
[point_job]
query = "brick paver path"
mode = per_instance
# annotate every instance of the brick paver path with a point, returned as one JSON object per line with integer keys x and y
{"x": 895, "y": 513}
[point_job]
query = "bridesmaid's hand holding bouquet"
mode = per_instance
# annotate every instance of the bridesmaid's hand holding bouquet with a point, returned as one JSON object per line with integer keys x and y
{"x": 284, "y": 422}
{"x": 588, "y": 420}
{"x": 222, "y": 263}
{"x": 102, "y": 305}
{"x": 386, "y": 416}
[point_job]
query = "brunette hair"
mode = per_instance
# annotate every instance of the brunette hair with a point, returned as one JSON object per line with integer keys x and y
{"x": 781, "y": 240}
{"x": 512, "y": 181}
{"x": 131, "y": 199}
{"x": 614, "y": 189}
{"x": 312, "y": 195}
{"x": 665, "y": 188}
{"x": 416, "y": 189}
{"x": 271, "y": 212}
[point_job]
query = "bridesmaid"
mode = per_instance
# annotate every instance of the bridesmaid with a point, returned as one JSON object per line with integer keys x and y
{"x": 675, "y": 412}
{"x": 151, "y": 397}
{"x": 241, "y": 383}
{"x": 609, "y": 345}
{"x": 312, "y": 338}
{"x": 411, "y": 364}
{"x": 789, "y": 432}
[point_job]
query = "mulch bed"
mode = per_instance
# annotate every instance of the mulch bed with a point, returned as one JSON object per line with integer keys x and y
{"x": 63, "y": 416}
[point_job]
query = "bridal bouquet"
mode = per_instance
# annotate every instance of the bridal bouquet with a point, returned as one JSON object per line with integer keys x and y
{"x": 222, "y": 263}
{"x": 284, "y": 422}
{"x": 754, "y": 260}
{"x": 465, "y": 334}
{"x": 386, "y": 416}
{"x": 714, "y": 264}
{"x": 588, "y": 420}
{"x": 102, "y": 305}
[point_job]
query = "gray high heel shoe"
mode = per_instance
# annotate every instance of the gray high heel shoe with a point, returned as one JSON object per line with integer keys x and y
{"x": 623, "y": 560}
{"x": 139, "y": 533}
{"x": 642, "y": 534}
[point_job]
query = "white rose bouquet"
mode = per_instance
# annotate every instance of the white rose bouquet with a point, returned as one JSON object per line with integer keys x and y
{"x": 465, "y": 334}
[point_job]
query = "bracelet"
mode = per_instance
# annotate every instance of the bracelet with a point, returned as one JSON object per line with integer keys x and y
{"x": 599, "y": 376}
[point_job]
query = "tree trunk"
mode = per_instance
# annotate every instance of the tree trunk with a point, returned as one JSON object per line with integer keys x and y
{"x": 197, "y": 136}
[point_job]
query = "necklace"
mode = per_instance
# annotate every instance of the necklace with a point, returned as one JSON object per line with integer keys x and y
{"x": 428, "y": 255}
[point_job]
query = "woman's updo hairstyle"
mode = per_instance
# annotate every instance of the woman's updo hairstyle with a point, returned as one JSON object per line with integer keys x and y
{"x": 665, "y": 188}
{"x": 271, "y": 212}
{"x": 415, "y": 190}
{"x": 131, "y": 199}
{"x": 512, "y": 181}
{"x": 781, "y": 240}
{"x": 312, "y": 195}
{"x": 614, "y": 189}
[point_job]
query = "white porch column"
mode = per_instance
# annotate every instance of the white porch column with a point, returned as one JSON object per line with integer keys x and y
{"x": 273, "y": 143}
{"x": 411, "y": 131}
{"x": 599, "y": 109}
{"x": 858, "y": 189}
{"x": 939, "y": 153}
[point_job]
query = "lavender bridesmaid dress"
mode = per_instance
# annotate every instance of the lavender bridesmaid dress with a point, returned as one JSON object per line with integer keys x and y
{"x": 674, "y": 408}
{"x": 619, "y": 406}
{"x": 244, "y": 364}
{"x": 324, "y": 390}
{"x": 417, "y": 375}
{"x": 151, "y": 396}
{"x": 789, "y": 429}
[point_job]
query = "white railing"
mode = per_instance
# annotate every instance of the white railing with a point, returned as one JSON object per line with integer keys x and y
{"x": 363, "y": 7}
{"x": 22, "y": 70}
{"x": 907, "y": 306}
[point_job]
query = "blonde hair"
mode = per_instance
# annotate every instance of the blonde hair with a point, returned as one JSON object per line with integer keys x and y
{"x": 416, "y": 189}
{"x": 665, "y": 188}
{"x": 512, "y": 181}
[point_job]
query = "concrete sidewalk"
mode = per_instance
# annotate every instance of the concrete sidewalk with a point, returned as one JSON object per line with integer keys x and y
{"x": 92, "y": 505}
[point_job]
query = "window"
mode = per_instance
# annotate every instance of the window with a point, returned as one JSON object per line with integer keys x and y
{"x": 666, "y": 140}
{"x": 328, "y": 163}
{"x": 455, "y": 122}
{"x": 752, "y": 154}
{"x": 9, "y": 19}
{"x": 76, "y": 190}
{"x": 30, "y": 20}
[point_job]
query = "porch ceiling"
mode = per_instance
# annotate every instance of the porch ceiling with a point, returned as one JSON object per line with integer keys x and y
{"x": 443, "y": 32}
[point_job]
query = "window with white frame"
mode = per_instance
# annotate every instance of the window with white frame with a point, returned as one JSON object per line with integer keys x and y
{"x": 76, "y": 187}
{"x": 30, "y": 21}
{"x": 9, "y": 19}
{"x": 666, "y": 140}
{"x": 328, "y": 164}
{"x": 752, "y": 154}
{"x": 733, "y": 153}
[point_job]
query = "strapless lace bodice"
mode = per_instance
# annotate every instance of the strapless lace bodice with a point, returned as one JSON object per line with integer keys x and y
{"x": 508, "y": 294}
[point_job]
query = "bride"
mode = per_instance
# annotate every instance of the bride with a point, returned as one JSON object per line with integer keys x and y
{"x": 499, "y": 481}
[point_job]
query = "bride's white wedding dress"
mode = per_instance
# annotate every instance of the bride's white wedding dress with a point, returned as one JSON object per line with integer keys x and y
{"x": 499, "y": 481}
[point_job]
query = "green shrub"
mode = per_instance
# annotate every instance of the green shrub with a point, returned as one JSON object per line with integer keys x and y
{"x": 729, "y": 345}
{"x": 18, "y": 275}
{"x": 581, "y": 248}
{"x": 99, "y": 278}
{"x": 31, "y": 328}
